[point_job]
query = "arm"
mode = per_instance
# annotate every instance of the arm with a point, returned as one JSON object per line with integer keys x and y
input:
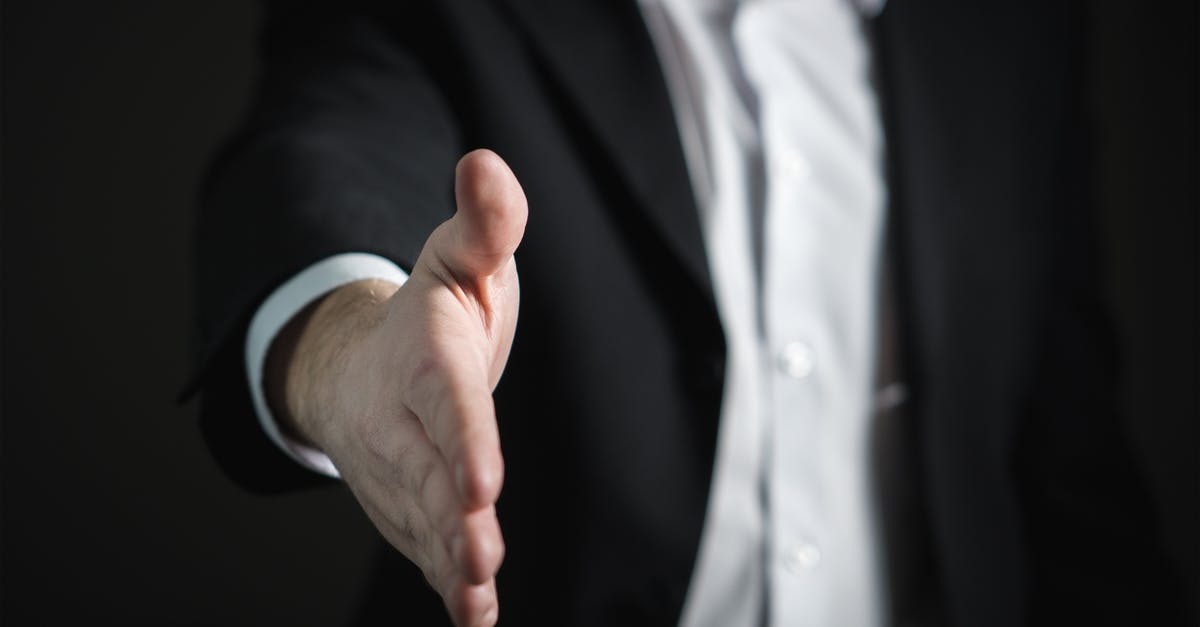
{"x": 348, "y": 146}
{"x": 351, "y": 147}
{"x": 394, "y": 384}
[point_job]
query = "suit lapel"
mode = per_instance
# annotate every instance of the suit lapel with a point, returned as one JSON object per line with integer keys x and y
{"x": 601, "y": 55}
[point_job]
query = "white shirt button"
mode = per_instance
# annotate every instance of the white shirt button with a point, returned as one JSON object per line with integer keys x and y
{"x": 801, "y": 557}
{"x": 796, "y": 360}
{"x": 794, "y": 166}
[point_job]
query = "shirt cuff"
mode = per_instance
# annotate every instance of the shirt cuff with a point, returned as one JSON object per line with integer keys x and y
{"x": 275, "y": 312}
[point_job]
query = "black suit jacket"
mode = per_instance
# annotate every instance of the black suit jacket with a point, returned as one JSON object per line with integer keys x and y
{"x": 1027, "y": 508}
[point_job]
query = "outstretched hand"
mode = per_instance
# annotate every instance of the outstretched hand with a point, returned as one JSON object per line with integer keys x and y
{"x": 395, "y": 385}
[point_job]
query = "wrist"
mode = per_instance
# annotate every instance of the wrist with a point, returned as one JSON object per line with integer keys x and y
{"x": 316, "y": 352}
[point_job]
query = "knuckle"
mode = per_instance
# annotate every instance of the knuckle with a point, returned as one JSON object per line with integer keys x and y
{"x": 419, "y": 477}
{"x": 425, "y": 483}
{"x": 401, "y": 528}
{"x": 412, "y": 538}
{"x": 426, "y": 369}
{"x": 374, "y": 440}
{"x": 406, "y": 525}
{"x": 406, "y": 468}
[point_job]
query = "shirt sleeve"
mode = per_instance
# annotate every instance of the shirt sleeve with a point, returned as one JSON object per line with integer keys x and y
{"x": 275, "y": 312}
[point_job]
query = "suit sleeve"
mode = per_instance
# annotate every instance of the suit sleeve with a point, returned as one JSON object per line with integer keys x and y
{"x": 349, "y": 146}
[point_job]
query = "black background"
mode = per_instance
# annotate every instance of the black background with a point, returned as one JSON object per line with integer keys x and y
{"x": 112, "y": 510}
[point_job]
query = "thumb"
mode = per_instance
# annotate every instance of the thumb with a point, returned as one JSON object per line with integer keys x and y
{"x": 490, "y": 220}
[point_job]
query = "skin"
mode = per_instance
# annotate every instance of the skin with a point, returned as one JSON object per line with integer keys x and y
{"x": 395, "y": 385}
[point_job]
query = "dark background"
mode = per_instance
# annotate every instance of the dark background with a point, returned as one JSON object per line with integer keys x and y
{"x": 112, "y": 510}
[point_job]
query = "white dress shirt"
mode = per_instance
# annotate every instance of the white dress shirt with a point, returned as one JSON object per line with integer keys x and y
{"x": 780, "y": 129}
